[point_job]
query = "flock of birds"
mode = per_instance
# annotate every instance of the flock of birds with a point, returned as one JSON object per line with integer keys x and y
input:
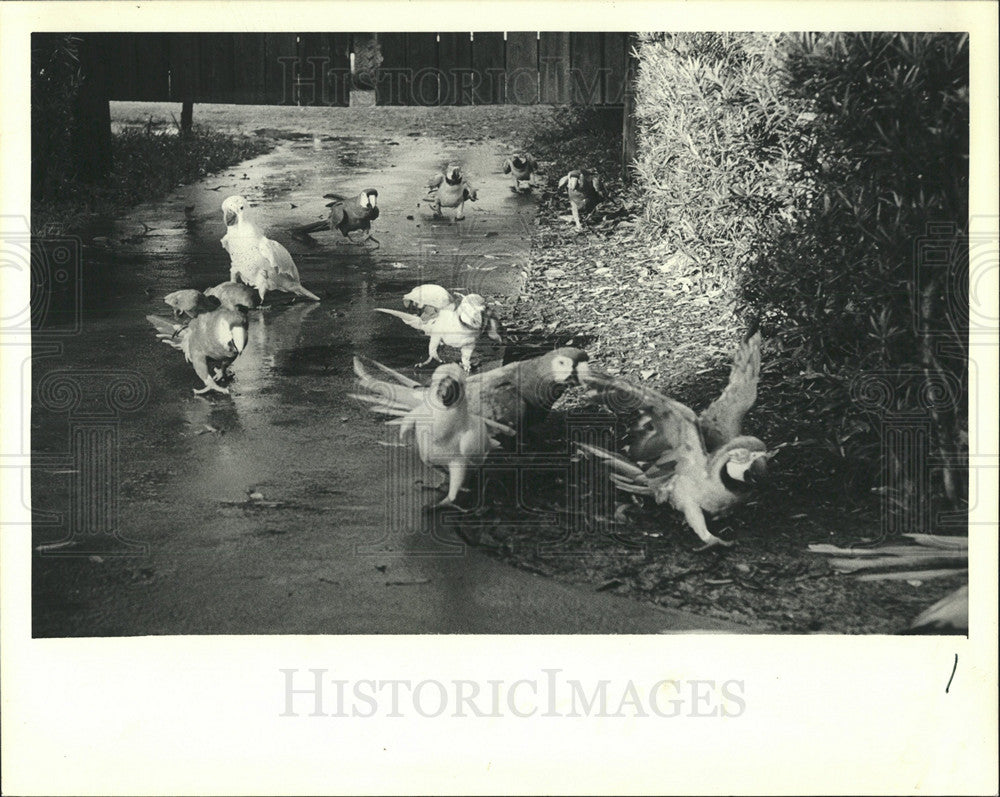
{"x": 698, "y": 463}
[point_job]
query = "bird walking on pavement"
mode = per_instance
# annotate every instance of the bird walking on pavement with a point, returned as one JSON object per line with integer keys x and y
{"x": 254, "y": 258}
{"x": 348, "y": 215}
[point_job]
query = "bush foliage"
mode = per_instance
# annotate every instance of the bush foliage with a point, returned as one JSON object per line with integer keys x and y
{"x": 147, "y": 165}
{"x": 809, "y": 175}
{"x": 55, "y": 80}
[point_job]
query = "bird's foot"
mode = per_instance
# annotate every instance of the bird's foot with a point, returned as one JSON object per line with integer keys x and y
{"x": 713, "y": 542}
{"x": 447, "y": 503}
{"x": 207, "y": 388}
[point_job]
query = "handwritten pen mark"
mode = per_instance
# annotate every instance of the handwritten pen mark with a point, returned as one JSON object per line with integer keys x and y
{"x": 954, "y": 667}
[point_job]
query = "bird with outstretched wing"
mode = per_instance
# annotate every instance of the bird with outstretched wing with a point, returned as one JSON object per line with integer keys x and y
{"x": 699, "y": 464}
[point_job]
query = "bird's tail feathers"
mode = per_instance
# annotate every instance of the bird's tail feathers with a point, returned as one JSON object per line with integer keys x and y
{"x": 629, "y": 486}
{"x": 502, "y": 428}
{"x": 316, "y": 226}
{"x": 164, "y": 326}
{"x": 363, "y": 373}
{"x": 381, "y": 403}
{"x": 620, "y": 466}
{"x": 407, "y": 318}
{"x": 302, "y": 291}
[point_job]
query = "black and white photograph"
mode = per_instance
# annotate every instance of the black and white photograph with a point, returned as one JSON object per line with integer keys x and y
{"x": 639, "y": 334}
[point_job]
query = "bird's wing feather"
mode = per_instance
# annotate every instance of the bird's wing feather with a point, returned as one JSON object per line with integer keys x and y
{"x": 470, "y": 313}
{"x": 430, "y": 295}
{"x": 279, "y": 257}
{"x": 336, "y": 213}
{"x": 667, "y": 425}
{"x": 722, "y": 420}
{"x": 435, "y": 181}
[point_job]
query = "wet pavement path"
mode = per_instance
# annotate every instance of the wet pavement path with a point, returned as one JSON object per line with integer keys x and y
{"x": 338, "y": 543}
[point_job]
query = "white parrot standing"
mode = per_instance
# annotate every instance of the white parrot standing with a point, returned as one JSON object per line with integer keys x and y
{"x": 255, "y": 259}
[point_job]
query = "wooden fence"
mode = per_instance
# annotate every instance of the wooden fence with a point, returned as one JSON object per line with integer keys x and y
{"x": 516, "y": 68}
{"x": 524, "y": 68}
{"x": 245, "y": 68}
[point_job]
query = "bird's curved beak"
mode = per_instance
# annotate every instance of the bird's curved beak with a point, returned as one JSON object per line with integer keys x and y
{"x": 572, "y": 184}
{"x": 239, "y": 339}
{"x": 757, "y": 471}
{"x": 230, "y": 217}
{"x": 581, "y": 374}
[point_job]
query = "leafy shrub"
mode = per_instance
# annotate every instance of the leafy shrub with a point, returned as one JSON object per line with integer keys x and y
{"x": 802, "y": 173}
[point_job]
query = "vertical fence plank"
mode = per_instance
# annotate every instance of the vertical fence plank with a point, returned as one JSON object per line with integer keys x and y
{"x": 614, "y": 67}
{"x": 183, "y": 49}
{"x": 216, "y": 68}
{"x": 249, "y": 55}
{"x": 281, "y": 63}
{"x": 585, "y": 69}
{"x": 152, "y": 67}
{"x": 553, "y": 65}
{"x": 312, "y": 86}
{"x": 392, "y": 83}
{"x": 122, "y": 68}
{"x": 324, "y": 69}
{"x": 487, "y": 67}
{"x": 338, "y": 78}
{"x": 422, "y": 65}
{"x": 521, "y": 77}
{"x": 455, "y": 63}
